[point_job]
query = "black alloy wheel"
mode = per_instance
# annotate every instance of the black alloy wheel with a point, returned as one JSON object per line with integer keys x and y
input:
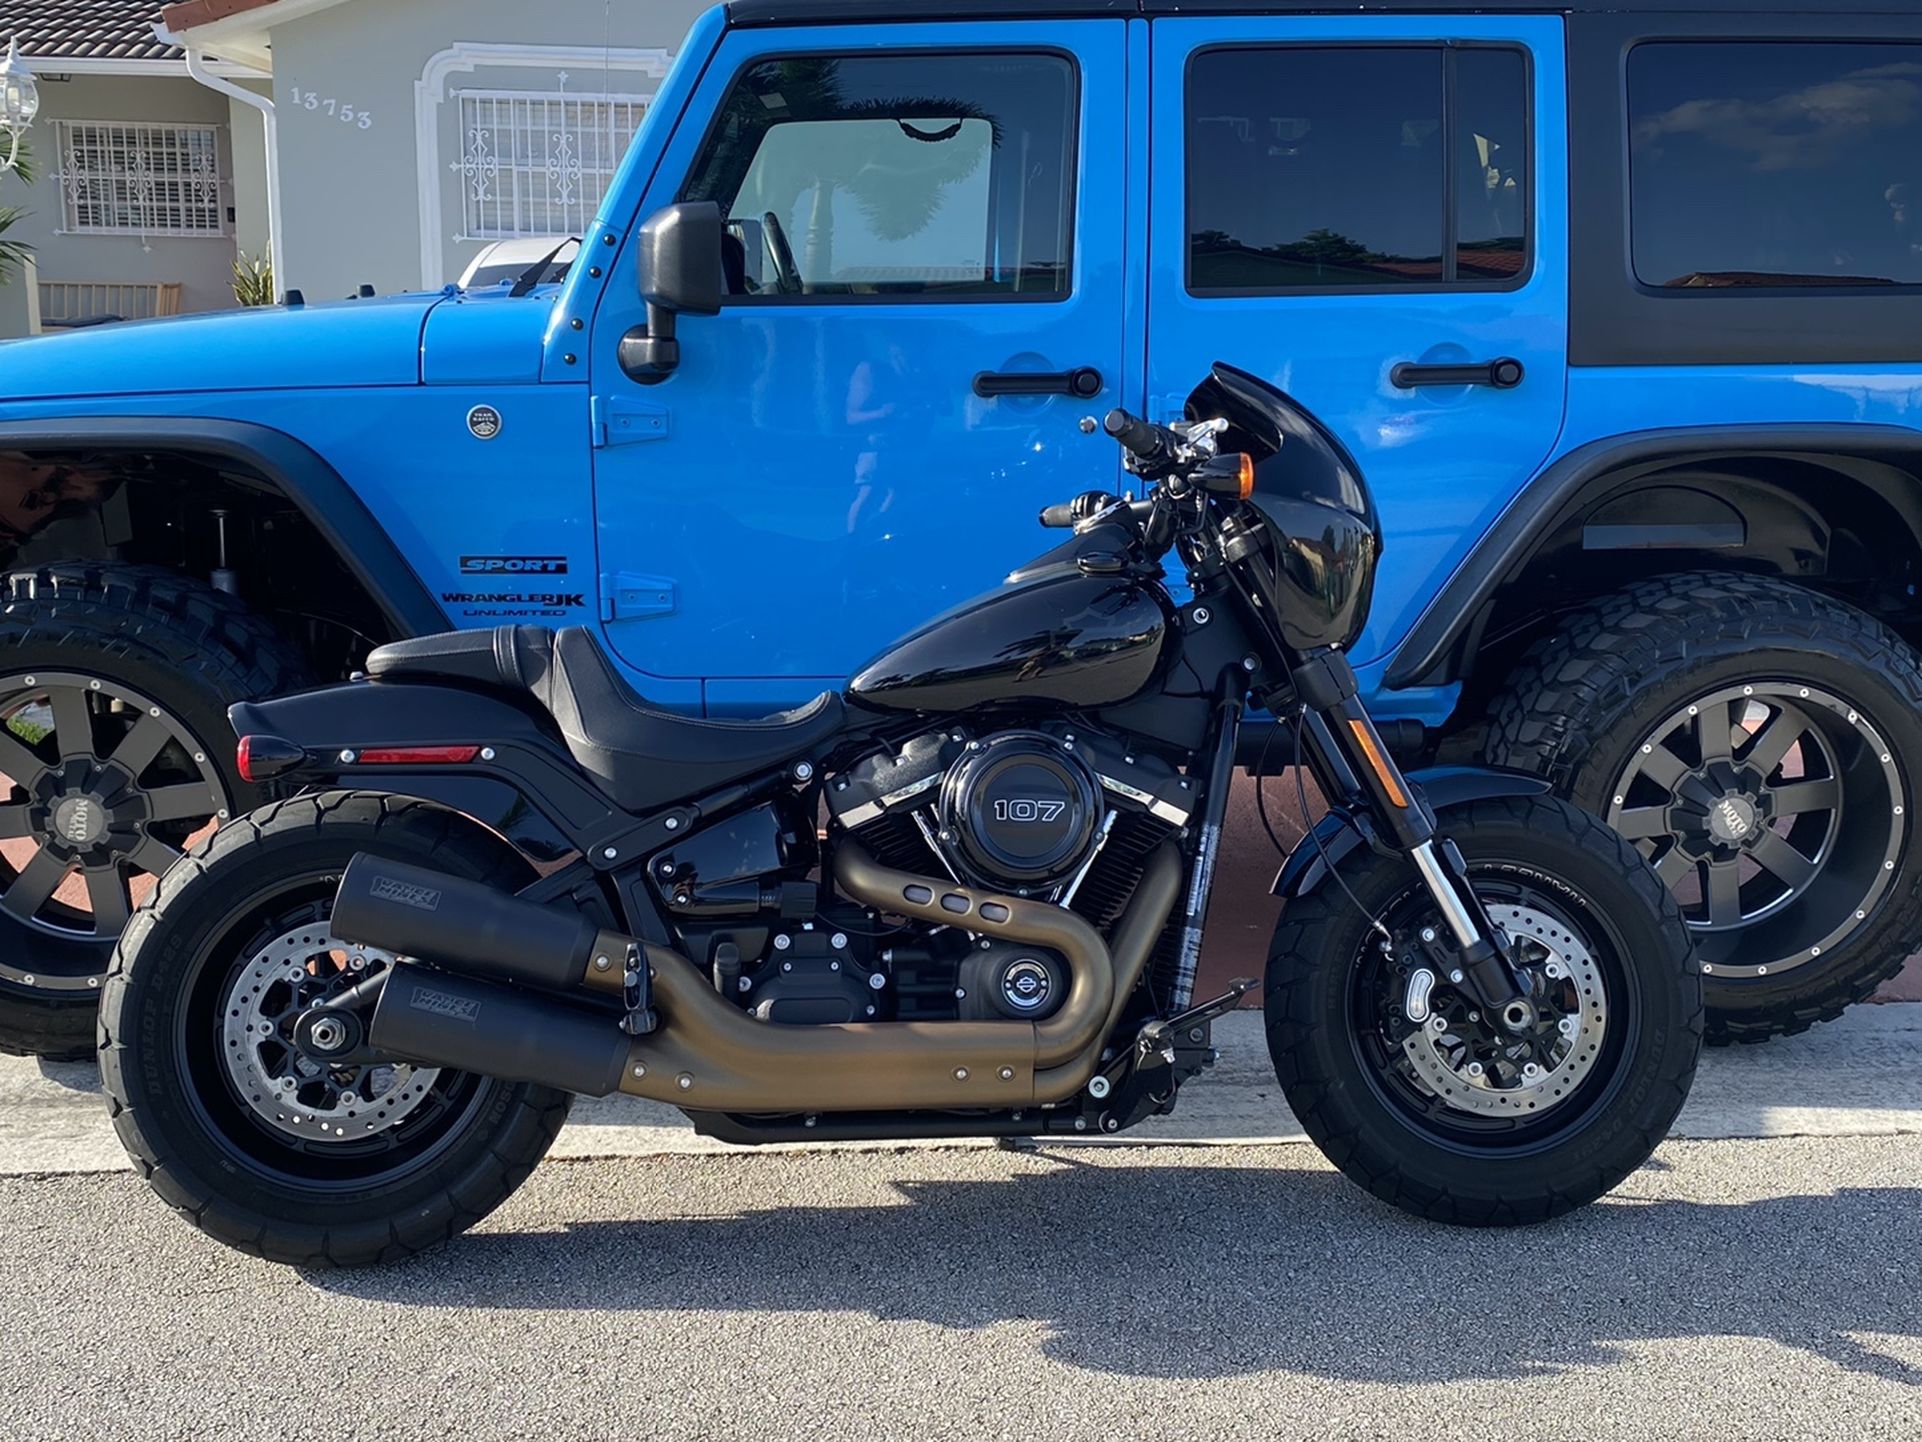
{"x": 109, "y": 788}
{"x": 1775, "y": 812}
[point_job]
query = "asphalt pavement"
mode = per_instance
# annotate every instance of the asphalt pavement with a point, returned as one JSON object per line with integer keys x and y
{"x": 1764, "y": 1283}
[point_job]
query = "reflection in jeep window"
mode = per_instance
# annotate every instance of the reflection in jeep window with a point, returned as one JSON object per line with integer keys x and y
{"x": 1776, "y": 164}
{"x": 1312, "y": 166}
{"x": 895, "y": 175}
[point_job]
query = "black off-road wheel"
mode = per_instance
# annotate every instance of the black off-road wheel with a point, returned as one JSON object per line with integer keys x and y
{"x": 1403, "y": 1082}
{"x": 115, "y": 756}
{"x": 1760, "y": 744}
{"x": 259, "y": 1147}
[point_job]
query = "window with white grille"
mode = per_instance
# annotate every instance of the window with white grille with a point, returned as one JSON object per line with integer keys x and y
{"x": 539, "y": 164}
{"x": 127, "y": 178}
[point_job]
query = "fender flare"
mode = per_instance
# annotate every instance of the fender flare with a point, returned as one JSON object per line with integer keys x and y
{"x": 312, "y": 485}
{"x": 1445, "y": 788}
{"x": 1424, "y": 657}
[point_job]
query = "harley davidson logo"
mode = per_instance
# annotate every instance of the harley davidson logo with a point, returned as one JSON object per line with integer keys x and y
{"x": 421, "y": 898}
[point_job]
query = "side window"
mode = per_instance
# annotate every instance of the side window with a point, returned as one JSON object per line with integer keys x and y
{"x": 1775, "y": 165}
{"x": 1359, "y": 168}
{"x": 896, "y": 175}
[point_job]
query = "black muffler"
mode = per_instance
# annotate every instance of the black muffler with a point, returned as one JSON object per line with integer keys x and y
{"x": 473, "y": 929}
{"x": 438, "y": 1019}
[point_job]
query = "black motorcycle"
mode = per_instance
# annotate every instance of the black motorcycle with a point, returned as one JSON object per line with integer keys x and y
{"x": 963, "y": 898}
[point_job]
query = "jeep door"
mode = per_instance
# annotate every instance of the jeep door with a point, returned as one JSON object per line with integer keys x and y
{"x": 927, "y": 237}
{"x": 1370, "y": 212}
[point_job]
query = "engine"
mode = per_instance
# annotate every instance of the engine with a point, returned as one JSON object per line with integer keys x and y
{"x": 1053, "y": 812}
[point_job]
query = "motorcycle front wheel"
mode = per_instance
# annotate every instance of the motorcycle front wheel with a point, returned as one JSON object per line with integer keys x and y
{"x": 1402, "y": 1082}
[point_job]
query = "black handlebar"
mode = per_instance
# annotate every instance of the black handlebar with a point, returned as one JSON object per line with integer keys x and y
{"x": 1071, "y": 513}
{"x": 1138, "y": 437}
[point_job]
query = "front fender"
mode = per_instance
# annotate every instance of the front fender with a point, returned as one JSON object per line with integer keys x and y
{"x": 1445, "y": 788}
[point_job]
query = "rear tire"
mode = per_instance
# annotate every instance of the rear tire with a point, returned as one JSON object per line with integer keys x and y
{"x": 1611, "y": 709}
{"x": 1568, "y": 1138}
{"x": 311, "y": 1182}
{"x": 122, "y": 647}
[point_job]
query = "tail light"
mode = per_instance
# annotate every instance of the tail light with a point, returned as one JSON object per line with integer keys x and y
{"x": 417, "y": 755}
{"x": 262, "y": 758}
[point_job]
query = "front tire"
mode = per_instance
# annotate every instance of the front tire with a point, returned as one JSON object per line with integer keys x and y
{"x": 1444, "y": 1125}
{"x": 279, "y": 1158}
{"x": 114, "y": 756}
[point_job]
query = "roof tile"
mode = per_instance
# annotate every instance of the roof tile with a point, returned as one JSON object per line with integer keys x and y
{"x": 52, "y": 30}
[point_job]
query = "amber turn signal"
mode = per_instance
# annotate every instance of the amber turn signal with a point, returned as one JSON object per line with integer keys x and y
{"x": 1229, "y": 475}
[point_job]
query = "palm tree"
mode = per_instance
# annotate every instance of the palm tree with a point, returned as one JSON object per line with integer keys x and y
{"x": 14, "y": 253}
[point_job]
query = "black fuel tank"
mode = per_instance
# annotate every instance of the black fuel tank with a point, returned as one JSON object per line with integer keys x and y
{"x": 1053, "y": 634}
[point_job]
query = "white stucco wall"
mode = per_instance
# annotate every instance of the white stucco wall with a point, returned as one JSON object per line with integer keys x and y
{"x": 203, "y": 265}
{"x": 352, "y": 189}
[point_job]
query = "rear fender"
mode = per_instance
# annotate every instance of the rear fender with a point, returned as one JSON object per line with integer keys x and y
{"x": 520, "y": 777}
{"x": 1446, "y": 788}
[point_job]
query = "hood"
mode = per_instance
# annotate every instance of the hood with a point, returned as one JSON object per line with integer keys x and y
{"x": 350, "y": 343}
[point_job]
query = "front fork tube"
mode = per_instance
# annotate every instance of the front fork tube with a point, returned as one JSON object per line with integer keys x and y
{"x": 1355, "y": 762}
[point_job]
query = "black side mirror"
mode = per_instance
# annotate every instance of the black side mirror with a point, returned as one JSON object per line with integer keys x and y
{"x": 680, "y": 272}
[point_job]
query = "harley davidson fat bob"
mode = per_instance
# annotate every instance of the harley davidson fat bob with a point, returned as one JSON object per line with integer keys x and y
{"x": 964, "y": 897}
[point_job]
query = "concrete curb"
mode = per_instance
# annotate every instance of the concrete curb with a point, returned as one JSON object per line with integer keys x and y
{"x": 1860, "y": 1076}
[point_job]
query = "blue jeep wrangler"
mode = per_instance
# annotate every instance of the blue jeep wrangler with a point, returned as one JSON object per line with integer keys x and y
{"x": 1619, "y": 307}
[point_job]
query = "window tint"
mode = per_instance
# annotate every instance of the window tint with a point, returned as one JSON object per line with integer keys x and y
{"x": 1491, "y": 164}
{"x": 896, "y": 176}
{"x": 1312, "y": 167}
{"x": 1776, "y": 164}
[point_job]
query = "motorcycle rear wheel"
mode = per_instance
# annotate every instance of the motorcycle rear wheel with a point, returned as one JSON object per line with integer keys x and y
{"x": 275, "y": 1156}
{"x": 1454, "y": 1120}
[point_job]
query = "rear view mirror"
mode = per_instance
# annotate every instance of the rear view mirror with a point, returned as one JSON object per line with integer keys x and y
{"x": 680, "y": 272}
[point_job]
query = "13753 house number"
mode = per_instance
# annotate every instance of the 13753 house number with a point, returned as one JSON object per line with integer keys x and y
{"x": 328, "y": 105}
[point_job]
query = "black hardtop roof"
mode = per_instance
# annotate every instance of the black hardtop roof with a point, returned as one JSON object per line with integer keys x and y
{"x": 799, "y": 12}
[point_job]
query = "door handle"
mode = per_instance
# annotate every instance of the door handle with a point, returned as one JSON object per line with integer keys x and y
{"x": 1503, "y": 375}
{"x": 1083, "y": 382}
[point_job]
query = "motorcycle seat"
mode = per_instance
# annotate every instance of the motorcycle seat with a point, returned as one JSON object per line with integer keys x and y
{"x": 643, "y": 756}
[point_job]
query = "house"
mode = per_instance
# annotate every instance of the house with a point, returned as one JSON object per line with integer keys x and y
{"x": 145, "y": 189}
{"x": 408, "y": 134}
{"x": 413, "y": 132}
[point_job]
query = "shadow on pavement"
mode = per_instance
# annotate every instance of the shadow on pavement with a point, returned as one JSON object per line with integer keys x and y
{"x": 1212, "y": 1272}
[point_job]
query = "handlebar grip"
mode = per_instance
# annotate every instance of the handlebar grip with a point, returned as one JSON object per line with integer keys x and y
{"x": 1058, "y": 517}
{"x": 1142, "y": 438}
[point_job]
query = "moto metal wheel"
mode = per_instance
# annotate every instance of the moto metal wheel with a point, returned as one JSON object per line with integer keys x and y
{"x": 1414, "y": 1093}
{"x": 221, "y": 1111}
{"x": 1759, "y": 744}
{"x": 115, "y": 757}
